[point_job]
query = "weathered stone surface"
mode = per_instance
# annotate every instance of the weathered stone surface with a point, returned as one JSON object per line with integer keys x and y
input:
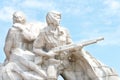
{"x": 36, "y": 51}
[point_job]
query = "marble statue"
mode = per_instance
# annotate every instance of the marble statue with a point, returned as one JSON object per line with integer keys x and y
{"x": 45, "y": 51}
{"x": 19, "y": 63}
{"x": 50, "y": 37}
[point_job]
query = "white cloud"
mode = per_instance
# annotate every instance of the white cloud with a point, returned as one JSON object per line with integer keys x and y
{"x": 113, "y": 4}
{"x": 72, "y": 11}
{"x": 112, "y": 7}
{"x": 112, "y": 36}
{"x": 6, "y": 13}
{"x": 28, "y": 6}
{"x": 45, "y": 5}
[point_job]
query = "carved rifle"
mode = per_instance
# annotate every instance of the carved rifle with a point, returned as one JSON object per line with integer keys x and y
{"x": 74, "y": 46}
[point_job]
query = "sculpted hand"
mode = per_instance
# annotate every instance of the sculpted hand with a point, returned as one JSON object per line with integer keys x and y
{"x": 19, "y": 26}
{"x": 51, "y": 54}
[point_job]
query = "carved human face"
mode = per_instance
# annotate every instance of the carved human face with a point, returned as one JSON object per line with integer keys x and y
{"x": 18, "y": 17}
{"x": 56, "y": 18}
{"x": 53, "y": 17}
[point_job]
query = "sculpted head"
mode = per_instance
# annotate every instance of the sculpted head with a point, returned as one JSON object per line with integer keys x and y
{"x": 53, "y": 17}
{"x": 19, "y": 17}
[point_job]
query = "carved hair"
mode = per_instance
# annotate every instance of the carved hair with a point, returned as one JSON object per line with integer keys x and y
{"x": 19, "y": 17}
{"x": 50, "y": 18}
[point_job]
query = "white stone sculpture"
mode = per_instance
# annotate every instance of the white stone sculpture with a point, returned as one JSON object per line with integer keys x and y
{"x": 19, "y": 63}
{"x": 40, "y": 52}
{"x": 50, "y": 37}
{"x": 75, "y": 63}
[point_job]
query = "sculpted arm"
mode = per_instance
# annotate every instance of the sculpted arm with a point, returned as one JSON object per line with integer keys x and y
{"x": 27, "y": 30}
{"x": 8, "y": 43}
{"x": 39, "y": 43}
{"x": 29, "y": 34}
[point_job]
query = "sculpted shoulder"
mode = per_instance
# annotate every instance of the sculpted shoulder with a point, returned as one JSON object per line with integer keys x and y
{"x": 12, "y": 30}
{"x": 65, "y": 30}
{"x": 44, "y": 30}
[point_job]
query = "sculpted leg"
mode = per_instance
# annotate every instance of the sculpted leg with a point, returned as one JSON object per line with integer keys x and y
{"x": 26, "y": 75}
{"x": 10, "y": 73}
{"x": 32, "y": 66}
{"x": 69, "y": 75}
{"x": 52, "y": 72}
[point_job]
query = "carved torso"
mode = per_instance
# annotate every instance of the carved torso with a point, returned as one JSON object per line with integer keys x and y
{"x": 54, "y": 39}
{"x": 50, "y": 39}
{"x": 18, "y": 41}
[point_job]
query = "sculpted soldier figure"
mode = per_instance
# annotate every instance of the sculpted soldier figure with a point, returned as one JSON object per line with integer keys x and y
{"x": 19, "y": 43}
{"x": 73, "y": 62}
{"x": 34, "y": 54}
{"x": 20, "y": 35}
{"x": 52, "y": 36}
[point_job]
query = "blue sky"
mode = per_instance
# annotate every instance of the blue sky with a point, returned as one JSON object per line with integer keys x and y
{"x": 85, "y": 19}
